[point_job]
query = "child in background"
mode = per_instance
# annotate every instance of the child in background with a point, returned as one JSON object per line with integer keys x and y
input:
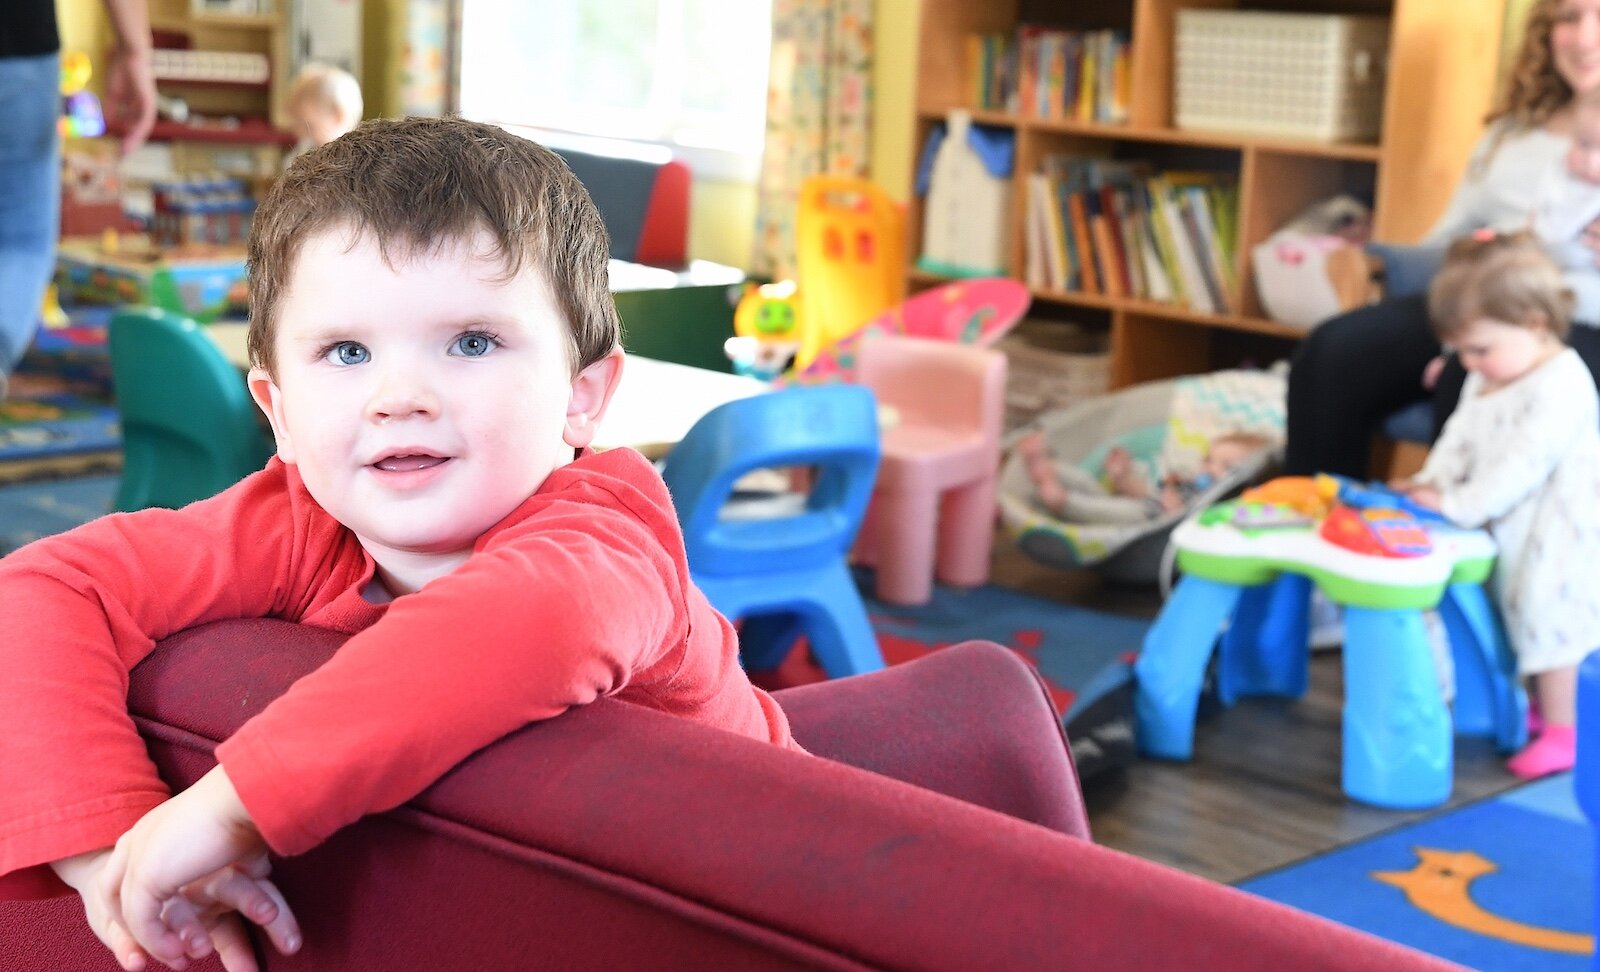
{"x": 325, "y": 102}
{"x": 1521, "y": 456}
{"x": 434, "y": 343}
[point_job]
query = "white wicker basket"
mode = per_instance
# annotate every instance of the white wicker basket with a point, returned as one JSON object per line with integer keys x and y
{"x": 1051, "y": 365}
{"x": 1314, "y": 76}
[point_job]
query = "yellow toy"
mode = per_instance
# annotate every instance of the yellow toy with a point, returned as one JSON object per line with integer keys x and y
{"x": 766, "y": 327}
{"x": 850, "y": 254}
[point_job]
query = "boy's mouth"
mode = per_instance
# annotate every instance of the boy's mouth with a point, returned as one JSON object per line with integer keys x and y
{"x": 409, "y": 462}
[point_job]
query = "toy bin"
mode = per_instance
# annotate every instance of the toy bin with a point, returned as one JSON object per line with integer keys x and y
{"x": 1315, "y": 76}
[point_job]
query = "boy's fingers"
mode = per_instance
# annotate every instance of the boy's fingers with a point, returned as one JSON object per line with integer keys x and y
{"x": 236, "y": 891}
{"x": 256, "y": 865}
{"x": 233, "y": 945}
{"x": 127, "y": 951}
{"x": 142, "y": 914}
{"x": 182, "y": 918}
{"x": 284, "y": 929}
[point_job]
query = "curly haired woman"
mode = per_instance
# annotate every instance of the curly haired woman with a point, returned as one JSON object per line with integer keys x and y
{"x": 1357, "y": 368}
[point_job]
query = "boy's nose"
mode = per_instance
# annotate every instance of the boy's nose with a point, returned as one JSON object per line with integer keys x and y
{"x": 400, "y": 398}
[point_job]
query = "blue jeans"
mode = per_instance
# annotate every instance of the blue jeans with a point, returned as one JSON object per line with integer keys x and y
{"x": 30, "y": 195}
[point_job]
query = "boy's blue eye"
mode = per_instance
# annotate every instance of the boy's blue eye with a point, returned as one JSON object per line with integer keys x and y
{"x": 348, "y": 353}
{"x": 474, "y": 344}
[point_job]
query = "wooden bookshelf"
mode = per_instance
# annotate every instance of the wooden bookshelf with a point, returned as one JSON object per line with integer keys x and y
{"x": 1439, "y": 85}
{"x": 265, "y": 34}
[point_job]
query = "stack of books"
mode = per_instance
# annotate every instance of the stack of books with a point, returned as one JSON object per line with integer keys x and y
{"x": 1041, "y": 72}
{"x": 1122, "y": 229}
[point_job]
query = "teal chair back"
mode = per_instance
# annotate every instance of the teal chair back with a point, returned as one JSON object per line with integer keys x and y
{"x": 189, "y": 427}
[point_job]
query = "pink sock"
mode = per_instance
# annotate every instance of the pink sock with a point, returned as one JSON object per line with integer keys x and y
{"x": 1555, "y": 751}
{"x": 1535, "y": 718}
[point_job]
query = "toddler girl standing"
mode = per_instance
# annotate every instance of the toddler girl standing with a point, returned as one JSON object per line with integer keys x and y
{"x": 1521, "y": 457}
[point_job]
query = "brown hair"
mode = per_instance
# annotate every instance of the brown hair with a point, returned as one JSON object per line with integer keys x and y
{"x": 1534, "y": 89}
{"x": 1506, "y": 276}
{"x": 418, "y": 184}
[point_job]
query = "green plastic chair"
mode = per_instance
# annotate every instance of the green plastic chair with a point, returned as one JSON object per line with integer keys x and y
{"x": 189, "y": 427}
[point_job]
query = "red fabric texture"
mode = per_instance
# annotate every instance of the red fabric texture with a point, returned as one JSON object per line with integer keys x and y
{"x": 582, "y": 592}
{"x": 618, "y": 837}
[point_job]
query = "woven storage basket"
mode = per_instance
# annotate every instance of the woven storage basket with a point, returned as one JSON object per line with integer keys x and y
{"x": 1052, "y": 365}
{"x": 1317, "y": 76}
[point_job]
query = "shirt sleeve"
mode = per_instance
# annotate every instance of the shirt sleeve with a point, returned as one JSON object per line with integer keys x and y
{"x": 562, "y": 609}
{"x": 1521, "y": 462}
{"x": 1462, "y": 214}
{"x": 79, "y": 611}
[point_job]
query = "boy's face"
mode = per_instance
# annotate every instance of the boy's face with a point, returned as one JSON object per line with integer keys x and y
{"x": 424, "y": 402}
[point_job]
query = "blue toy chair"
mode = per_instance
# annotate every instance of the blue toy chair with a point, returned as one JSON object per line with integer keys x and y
{"x": 189, "y": 428}
{"x": 785, "y": 573}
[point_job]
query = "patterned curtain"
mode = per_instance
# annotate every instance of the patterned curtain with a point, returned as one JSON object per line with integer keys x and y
{"x": 819, "y": 103}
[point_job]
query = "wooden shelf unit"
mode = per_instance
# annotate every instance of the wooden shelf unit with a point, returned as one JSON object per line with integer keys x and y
{"x": 1440, "y": 84}
{"x": 265, "y": 34}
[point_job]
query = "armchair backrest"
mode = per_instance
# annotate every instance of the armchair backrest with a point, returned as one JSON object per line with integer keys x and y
{"x": 833, "y": 428}
{"x": 189, "y": 427}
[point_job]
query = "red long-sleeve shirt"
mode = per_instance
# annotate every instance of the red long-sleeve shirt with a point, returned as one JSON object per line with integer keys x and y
{"x": 583, "y": 591}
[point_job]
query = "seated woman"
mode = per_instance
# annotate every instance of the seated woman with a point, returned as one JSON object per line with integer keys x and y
{"x": 1357, "y": 368}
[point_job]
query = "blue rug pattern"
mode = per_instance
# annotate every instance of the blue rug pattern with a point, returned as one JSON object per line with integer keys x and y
{"x": 1506, "y": 883}
{"x": 30, "y": 510}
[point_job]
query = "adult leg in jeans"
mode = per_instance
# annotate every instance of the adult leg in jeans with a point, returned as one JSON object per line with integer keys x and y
{"x": 1347, "y": 375}
{"x": 29, "y": 196}
{"x": 1584, "y": 339}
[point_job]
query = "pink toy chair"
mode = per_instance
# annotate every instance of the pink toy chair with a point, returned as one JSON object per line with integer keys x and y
{"x": 940, "y": 466}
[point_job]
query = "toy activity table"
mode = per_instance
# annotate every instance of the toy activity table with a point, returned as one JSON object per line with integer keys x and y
{"x": 1252, "y": 564}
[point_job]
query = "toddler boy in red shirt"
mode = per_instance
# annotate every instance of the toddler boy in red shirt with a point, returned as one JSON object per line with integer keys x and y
{"x": 434, "y": 343}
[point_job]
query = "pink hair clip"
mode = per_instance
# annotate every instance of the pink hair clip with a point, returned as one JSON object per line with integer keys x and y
{"x": 1484, "y": 235}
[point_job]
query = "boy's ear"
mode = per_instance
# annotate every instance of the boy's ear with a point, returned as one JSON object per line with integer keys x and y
{"x": 591, "y": 394}
{"x": 269, "y": 398}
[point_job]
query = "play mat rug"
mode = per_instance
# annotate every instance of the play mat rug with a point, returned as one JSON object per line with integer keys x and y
{"x": 60, "y": 400}
{"x": 1085, "y": 657}
{"x": 1504, "y": 883}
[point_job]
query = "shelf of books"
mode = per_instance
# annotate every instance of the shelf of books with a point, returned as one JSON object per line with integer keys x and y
{"x": 1119, "y": 219}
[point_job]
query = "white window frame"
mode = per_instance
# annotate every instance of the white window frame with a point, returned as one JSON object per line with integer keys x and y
{"x": 711, "y": 161}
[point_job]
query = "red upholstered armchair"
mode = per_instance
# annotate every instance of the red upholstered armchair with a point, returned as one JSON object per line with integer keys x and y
{"x": 941, "y": 829}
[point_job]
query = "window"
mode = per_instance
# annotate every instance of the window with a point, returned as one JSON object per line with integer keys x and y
{"x": 690, "y": 75}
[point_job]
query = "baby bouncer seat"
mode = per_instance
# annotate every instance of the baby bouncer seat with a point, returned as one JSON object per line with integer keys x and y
{"x": 1166, "y": 427}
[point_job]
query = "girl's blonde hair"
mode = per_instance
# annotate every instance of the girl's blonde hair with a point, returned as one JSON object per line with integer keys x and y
{"x": 1505, "y": 276}
{"x": 1534, "y": 89}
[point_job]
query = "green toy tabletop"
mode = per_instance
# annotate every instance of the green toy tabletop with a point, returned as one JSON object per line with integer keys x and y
{"x": 1217, "y": 550}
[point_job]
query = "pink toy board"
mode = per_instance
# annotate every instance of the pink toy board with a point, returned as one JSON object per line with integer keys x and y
{"x": 978, "y": 311}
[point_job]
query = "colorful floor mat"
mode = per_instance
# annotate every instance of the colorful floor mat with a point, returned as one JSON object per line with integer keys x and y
{"x": 60, "y": 400}
{"x": 1085, "y": 657}
{"x": 1506, "y": 883}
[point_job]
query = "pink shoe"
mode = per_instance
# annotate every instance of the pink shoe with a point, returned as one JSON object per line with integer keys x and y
{"x": 1555, "y": 751}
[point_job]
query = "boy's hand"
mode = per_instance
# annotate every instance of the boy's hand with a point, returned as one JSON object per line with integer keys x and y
{"x": 82, "y": 873}
{"x": 176, "y": 877}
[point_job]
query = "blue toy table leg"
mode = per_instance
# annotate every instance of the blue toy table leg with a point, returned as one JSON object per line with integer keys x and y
{"x": 1490, "y": 700}
{"x": 1264, "y": 649}
{"x": 1173, "y": 664}
{"x": 1398, "y": 747}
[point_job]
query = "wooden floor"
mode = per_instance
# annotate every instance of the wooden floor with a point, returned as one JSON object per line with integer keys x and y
{"x": 1263, "y": 788}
